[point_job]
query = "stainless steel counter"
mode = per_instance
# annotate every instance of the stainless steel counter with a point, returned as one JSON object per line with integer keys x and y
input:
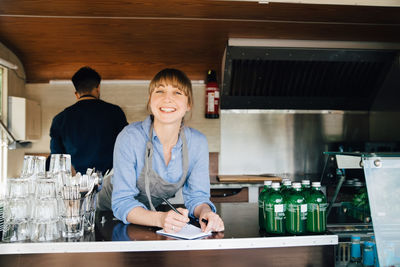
{"x": 167, "y": 245}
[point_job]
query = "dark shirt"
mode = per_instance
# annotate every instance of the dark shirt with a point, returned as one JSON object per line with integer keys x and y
{"x": 87, "y": 131}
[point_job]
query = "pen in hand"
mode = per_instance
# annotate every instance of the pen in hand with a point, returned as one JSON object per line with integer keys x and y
{"x": 170, "y": 205}
{"x": 177, "y": 211}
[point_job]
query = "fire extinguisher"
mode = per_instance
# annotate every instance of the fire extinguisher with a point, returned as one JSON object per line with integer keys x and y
{"x": 212, "y": 95}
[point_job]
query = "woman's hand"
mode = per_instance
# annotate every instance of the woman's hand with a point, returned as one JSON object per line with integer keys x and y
{"x": 173, "y": 222}
{"x": 214, "y": 224}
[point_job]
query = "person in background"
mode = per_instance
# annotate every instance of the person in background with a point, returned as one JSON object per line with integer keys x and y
{"x": 87, "y": 130}
{"x": 156, "y": 157}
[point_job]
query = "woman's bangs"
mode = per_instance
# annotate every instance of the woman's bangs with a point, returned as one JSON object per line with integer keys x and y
{"x": 174, "y": 82}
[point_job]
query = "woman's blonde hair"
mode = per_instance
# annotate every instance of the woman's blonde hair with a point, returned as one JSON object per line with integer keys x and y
{"x": 175, "y": 78}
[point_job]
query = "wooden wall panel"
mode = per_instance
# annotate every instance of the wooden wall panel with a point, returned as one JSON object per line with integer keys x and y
{"x": 202, "y": 9}
{"x": 135, "y": 39}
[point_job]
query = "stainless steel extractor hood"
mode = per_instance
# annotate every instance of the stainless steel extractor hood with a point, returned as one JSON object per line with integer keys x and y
{"x": 273, "y": 77}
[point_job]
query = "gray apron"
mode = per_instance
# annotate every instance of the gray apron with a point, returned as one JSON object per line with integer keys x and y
{"x": 104, "y": 196}
{"x": 152, "y": 187}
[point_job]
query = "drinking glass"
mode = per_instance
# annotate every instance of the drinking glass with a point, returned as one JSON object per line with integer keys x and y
{"x": 16, "y": 220}
{"x": 60, "y": 163}
{"x": 18, "y": 188}
{"x": 45, "y": 210}
{"x": 45, "y": 188}
{"x": 45, "y": 231}
{"x": 72, "y": 218}
{"x": 72, "y": 212}
{"x": 45, "y": 218}
{"x": 17, "y": 210}
{"x": 15, "y": 231}
{"x": 32, "y": 168}
{"x": 40, "y": 166}
{"x": 60, "y": 169}
{"x": 28, "y": 167}
{"x": 28, "y": 171}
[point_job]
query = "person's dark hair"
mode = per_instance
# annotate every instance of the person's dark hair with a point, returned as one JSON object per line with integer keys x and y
{"x": 86, "y": 79}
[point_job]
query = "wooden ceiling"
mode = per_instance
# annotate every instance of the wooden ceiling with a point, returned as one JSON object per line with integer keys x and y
{"x": 128, "y": 39}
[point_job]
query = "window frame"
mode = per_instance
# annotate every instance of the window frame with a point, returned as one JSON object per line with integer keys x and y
{"x": 3, "y": 135}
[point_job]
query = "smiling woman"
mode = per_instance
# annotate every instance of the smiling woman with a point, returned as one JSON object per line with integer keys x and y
{"x": 155, "y": 158}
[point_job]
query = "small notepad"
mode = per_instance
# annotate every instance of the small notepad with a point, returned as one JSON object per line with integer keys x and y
{"x": 189, "y": 231}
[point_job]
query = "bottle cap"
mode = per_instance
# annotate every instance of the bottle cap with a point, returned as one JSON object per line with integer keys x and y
{"x": 354, "y": 237}
{"x": 296, "y": 185}
{"x": 287, "y": 182}
{"x": 316, "y": 184}
{"x": 276, "y": 185}
{"x": 267, "y": 182}
{"x": 305, "y": 182}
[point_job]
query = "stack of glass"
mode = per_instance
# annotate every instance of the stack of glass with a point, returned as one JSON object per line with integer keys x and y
{"x": 16, "y": 210}
{"x": 45, "y": 212}
{"x": 42, "y": 207}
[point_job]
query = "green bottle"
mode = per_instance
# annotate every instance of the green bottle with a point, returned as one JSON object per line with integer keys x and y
{"x": 296, "y": 211}
{"x": 316, "y": 209}
{"x": 274, "y": 211}
{"x": 286, "y": 186}
{"x": 284, "y": 180}
{"x": 305, "y": 188}
{"x": 261, "y": 197}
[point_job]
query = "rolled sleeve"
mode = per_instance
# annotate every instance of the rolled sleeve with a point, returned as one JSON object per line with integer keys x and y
{"x": 125, "y": 177}
{"x": 196, "y": 190}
